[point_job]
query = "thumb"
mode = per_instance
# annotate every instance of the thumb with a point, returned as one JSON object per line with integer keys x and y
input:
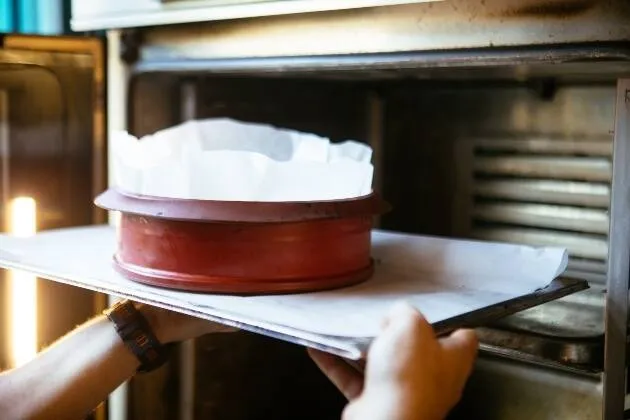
{"x": 460, "y": 350}
{"x": 461, "y": 342}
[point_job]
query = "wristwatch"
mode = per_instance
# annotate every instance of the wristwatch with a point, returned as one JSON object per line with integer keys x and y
{"x": 136, "y": 333}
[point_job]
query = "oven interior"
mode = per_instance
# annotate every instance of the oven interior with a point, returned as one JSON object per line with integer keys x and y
{"x": 516, "y": 153}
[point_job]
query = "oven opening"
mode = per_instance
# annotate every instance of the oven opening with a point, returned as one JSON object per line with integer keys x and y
{"x": 502, "y": 154}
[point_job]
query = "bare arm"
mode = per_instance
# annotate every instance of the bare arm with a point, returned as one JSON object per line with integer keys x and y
{"x": 69, "y": 379}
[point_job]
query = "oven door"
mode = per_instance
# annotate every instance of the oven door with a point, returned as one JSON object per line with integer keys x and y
{"x": 52, "y": 149}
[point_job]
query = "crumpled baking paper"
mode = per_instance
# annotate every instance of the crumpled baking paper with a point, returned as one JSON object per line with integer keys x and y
{"x": 224, "y": 159}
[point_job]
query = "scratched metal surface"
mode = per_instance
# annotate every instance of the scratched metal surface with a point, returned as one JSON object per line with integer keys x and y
{"x": 449, "y": 25}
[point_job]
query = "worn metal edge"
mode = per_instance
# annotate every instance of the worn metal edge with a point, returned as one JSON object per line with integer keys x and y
{"x": 429, "y": 59}
{"x": 557, "y": 289}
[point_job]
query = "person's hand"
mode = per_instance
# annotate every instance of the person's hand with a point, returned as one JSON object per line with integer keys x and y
{"x": 169, "y": 326}
{"x": 409, "y": 375}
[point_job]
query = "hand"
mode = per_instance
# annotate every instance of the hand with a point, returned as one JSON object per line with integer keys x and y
{"x": 410, "y": 374}
{"x": 169, "y": 326}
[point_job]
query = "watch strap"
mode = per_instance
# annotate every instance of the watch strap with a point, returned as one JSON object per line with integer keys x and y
{"x": 137, "y": 335}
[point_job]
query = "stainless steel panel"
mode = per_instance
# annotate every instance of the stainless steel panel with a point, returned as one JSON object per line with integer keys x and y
{"x": 565, "y": 334}
{"x": 588, "y": 266}
{"x": 615, "y": 378}
{"x": 448, "y": 25}
{"x": 576, "y": 317}
{"x": 437, "y": 148}
{"x": 592, "y": 278}
{"x": 540, "y": 216}
{"x": 549, "y": 146}
{"x": 566, "y": 65}
{"x": 545, "y": 191}
{"x": 187, "y": 349}
{"x": 555, "y": 185}
{"x": 591, "y": 247}
{"x": 573, "y": 168}
{"x": 501, "y": 389}
{"x": 584, "y": 355}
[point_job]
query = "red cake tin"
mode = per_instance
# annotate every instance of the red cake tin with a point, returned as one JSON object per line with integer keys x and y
{"x": 243, "y": 247}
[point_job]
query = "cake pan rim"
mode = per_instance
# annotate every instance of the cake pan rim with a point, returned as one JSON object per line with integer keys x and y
{"x": 192, "y": 210}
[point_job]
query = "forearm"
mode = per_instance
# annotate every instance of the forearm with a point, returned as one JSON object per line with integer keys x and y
{"x": 70, "y": 378}
{"x": 74, "y": 375}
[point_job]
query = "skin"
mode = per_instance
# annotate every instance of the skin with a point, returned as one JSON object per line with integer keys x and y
{"x": 70, "y": 378}
{"x": 410, "y": 374}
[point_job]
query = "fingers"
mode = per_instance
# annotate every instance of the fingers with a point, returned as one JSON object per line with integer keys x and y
{"x": 411, "y": 372}
{"x": 407, "y": 318}
{"x": 461, "y": 349}
{"x": 458, "y": 352}
{"x": 404, "y": 326}
{"x": 347, "y": 379}
{"x": 405, "y": 341}
{"x": 461, "y": 340}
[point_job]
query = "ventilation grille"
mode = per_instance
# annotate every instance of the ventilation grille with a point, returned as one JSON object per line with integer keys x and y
{"x": 545, "y": 191}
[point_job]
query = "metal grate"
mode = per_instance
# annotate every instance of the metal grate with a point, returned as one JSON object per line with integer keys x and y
{"x": 545, "y": 191}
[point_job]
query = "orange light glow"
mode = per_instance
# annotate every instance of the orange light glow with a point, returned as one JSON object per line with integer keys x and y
{"x": 22, "y": 287}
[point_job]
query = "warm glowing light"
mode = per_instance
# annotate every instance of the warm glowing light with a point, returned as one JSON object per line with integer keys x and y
{"x": 22, "y": 287}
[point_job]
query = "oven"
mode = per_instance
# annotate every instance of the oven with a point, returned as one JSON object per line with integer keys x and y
{"x": 494, "y": 120}
{"x": 52, "y": 162}
{"x": 516, "y": 161}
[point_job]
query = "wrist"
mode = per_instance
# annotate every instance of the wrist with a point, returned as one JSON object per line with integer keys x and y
{"x": 155, "y": 319}
{"x": 389, "y": 403}
{"x": 137, "y": 326}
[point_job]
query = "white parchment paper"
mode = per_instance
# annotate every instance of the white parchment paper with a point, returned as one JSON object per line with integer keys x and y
{"x": 441, "y": 277}
{"x": 224, "y": 159}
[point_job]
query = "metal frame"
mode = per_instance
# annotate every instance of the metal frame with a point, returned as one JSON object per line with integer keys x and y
{"x": 453, "y": 24}
{"x": 187, "y": 59}
{"x": 187, "y": 349}
{"x": 157, "y": 59}
{"x": 117, "y": 91}
{"x": 618, "y": 263}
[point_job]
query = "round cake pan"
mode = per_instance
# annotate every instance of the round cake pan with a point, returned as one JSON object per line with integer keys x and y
{"x": 243, "y": 247}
